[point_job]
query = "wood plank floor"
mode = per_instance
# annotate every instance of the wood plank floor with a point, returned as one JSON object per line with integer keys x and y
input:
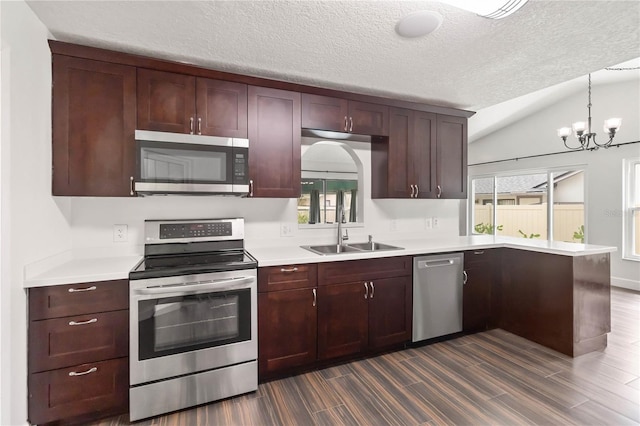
{"x": 493, "y": 378}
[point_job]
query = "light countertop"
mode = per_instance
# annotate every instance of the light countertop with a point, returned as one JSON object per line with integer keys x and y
{"x": 276, "y": 256}
{"x": 82, "y": 270}
{"x": 79, "y": 270}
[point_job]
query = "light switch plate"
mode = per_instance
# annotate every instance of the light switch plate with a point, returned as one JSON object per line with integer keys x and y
{"x": 286, "y": 230}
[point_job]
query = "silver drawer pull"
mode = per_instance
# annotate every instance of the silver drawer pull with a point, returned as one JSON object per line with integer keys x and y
{"x": 289, "y": 269}
{"x": 91, "y": 321}
{"x": 478, "y": 252}
{"x": 77, "y": 290}
{"x": 82, "y": 373}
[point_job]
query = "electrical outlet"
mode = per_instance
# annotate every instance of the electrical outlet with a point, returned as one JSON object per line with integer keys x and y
{"x": 286, "y": 230}
{"x": 435, "y": 221}
{"x": 428, "y": 223}
{"x": 394, "y": 225}
{"x": 120, "y": 233}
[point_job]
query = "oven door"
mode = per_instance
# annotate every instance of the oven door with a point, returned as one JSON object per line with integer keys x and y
{"x": 181, "y": 163}
{"x": 188, "y": 324}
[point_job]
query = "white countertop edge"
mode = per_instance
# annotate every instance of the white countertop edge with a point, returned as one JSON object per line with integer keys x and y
{"x": 81, "y": 270}
{"x": 278, "y": 256}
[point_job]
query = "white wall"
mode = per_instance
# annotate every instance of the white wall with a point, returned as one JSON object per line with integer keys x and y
{"x": 34, "y": 225}
{"x": 603, "y": 181}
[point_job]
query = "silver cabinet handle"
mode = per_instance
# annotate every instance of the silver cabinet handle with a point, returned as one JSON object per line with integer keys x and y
{"x": 351, "y": 124}
{"x": 199, "y": 125}
{"x": 373, "y": 289}
{"x": 91, "y": 321}
{"x": 413, "y": 191}
{"x": 250, "y": 187}
{"x": 417, "y": 191}
{"x": 465, "y": 277}
{"x": 345, "y": 123}
{"x": 82, "y": 373}
{"x": 190, "y": 125}
{"x": 78, "y": 290}
{"x": 366, "y": 290}
{"x": 294, "y": 269}
{"x": 439, "y": 191}
{"x": 131, "y": 186}
{"x": 315, "y": 297}
{"x": 478, "y": 252}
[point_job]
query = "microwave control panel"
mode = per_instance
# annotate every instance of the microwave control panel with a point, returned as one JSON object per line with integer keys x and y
{"x": 240, "y": 164}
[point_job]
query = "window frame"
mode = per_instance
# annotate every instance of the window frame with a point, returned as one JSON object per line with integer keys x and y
{"x": 550, "y": 172}
{"x": 629, "y": 207}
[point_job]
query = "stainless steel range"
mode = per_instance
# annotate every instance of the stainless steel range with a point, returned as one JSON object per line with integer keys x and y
{"x": 193, "y": 316}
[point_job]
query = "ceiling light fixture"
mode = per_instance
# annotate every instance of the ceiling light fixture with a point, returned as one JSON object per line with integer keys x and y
{"x": 492, "y": 9}
{"x": 611, "y": 126}
{"x": 419, "y": 23}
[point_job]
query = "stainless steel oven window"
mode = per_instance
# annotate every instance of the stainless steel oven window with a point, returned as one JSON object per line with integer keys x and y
{"x": 171, "y": 325}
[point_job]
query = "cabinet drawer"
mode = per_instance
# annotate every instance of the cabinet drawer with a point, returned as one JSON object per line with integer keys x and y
{"x": 62, "y": 342}
{"x": 481, "y": 256}
{"x": 287, "y": 277}
{"x": 77, "y": 299}
{"x": 362, "y": 270}
{"x": 101, "y": 387}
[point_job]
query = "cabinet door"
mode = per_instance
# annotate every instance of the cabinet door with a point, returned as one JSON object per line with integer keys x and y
{"x": 368, "y": 119}
{"x": 400, "y": 134}
{"x": 325, "y": 113}
{"x": 477, "y": 294}
{"x": 452, "y": 156}
{"x": 342, "y": 319}
{"x": 94, "y": 389}
{"x": 274, "y": 142}
{"x": 422, "y": 154}
{"x": 166, "y": 101}
{"x": 94, "y": 120}
{"x": 287, "y": 329}
{"x": 221, "y": 108}
{"x": 390, "y": 311}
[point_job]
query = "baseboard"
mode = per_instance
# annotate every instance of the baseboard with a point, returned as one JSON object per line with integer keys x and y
{"x": 625, "y": 283}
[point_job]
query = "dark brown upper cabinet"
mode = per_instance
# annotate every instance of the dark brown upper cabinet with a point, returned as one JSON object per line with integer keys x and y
{"x": 179, "y": 103}
{"x": 342, "y": 115}
{"x": 424, "y": 157}
{"x": 451, "y": 157}
{"x": 94, "y": 120}
{"x": 412, "y": 149}
{"x": 274, "y": 148}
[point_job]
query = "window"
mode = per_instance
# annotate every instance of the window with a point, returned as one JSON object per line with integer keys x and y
{"x": 522, "y": 208}
{"x": 631, "y": 205}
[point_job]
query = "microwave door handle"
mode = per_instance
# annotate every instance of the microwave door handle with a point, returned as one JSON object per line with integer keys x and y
{"x": 218, "y": 285}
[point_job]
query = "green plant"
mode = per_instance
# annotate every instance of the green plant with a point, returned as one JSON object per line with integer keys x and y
{"x": 485, "y": 228}
{"x": 303, "y": 217}
{"x": 528, "y": 236}
{"x": 579, "y": 234}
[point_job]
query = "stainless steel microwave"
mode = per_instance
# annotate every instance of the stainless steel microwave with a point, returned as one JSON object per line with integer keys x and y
{"x": 175, "y": 163}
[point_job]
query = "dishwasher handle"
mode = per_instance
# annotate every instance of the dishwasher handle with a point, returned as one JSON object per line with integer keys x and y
{"x": 423, "y": 264}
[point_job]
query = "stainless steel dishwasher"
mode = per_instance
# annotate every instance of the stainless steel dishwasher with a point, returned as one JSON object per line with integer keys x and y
{"x": 437, "y": 295}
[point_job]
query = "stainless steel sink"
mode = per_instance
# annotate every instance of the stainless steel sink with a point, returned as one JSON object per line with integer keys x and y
{"x": 331, "y": 249}
{"x": 373, "y": 246}
{"x": 349, "y": 248}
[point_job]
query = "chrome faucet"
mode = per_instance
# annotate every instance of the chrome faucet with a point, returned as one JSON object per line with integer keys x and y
{"x": 341, "y": 220}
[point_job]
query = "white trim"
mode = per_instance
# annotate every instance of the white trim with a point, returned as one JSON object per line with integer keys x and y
{"x": 625, "y": 283}
{"x": 628, "y": 208}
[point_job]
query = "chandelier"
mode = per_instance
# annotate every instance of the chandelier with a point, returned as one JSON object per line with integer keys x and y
{"x": 583, "y": 130}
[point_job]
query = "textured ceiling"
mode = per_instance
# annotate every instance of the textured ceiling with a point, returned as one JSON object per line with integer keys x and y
{"x": 469, "y": 63}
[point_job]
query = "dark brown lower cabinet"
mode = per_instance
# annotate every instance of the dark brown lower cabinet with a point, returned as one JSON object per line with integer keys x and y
{"x": 343, "y": 319}
{"x": 481, "y": 286}
{"x": 390, "y": 311}
{"x": 562, "y": 302}
{"x": 287, "y": 330}
{"x": 78, "y": 352}
{"x": 98, "y": 389}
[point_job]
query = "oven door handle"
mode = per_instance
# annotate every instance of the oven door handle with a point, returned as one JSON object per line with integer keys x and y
{"x": 218, "y": 285}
